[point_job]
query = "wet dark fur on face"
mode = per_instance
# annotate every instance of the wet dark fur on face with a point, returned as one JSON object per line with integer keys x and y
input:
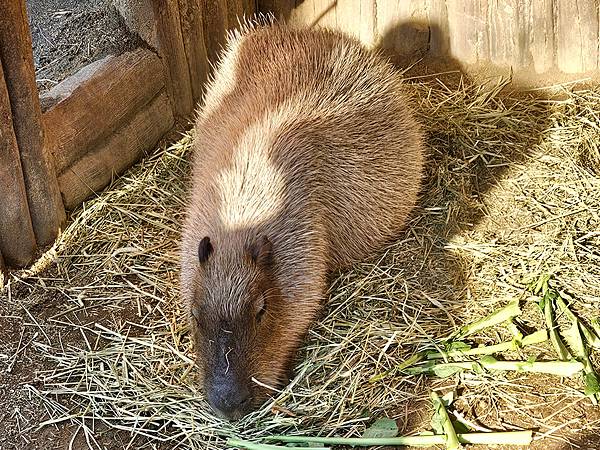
{"x": 307, "y": 159}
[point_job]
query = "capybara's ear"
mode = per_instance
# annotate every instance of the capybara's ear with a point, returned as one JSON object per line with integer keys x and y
{"x": 205, "y": 248}
{"x": 261, "y": 250}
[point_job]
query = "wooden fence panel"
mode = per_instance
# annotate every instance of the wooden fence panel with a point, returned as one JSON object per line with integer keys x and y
{"x": 530, "y": 36}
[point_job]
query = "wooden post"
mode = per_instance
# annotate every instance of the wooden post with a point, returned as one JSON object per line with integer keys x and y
{"x": 179, "y": 86}
{"x": 192, "y": 30}
{"x": 17, "y": 241}
{"x": 43, "y": 196}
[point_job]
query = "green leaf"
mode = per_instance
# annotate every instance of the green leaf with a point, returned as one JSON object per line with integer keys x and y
{"x": 446, "y": 370}
{"x": 542, "y": 303}
{"x": 460, "y": 427}
{"x": 448, "y": 398}
{"x": 382, "y": 428}
{"x": 592, "y": 384}
{"x": 541, "y": 285}
{"x": 458, "y": 346}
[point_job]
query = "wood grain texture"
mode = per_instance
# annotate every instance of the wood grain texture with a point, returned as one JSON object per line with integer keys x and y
{"x": 215, "y": 21}
{"x": 192, "y": 31}
{"x": 541, "y": 35}
{"x": 576, "y": 35}
{"x": 17, "y": 240}
{"x": 172, "y": 50}
{"x": 92, "y": 104}
{"x": 281, "y": 9}
{"x": 43, "y": 197}
{"x": 529, "y": 36}
{"x": 97, "y": 169}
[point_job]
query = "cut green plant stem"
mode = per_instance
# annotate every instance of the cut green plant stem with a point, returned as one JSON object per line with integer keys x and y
{"x": 494, "y": 438}
{"x": 560, "y": 368}
{"x": 531, "y": 339}
{"x": 250, "y": 445}
{"x": 501, "y": 315}
{"x": 452, "y": 442}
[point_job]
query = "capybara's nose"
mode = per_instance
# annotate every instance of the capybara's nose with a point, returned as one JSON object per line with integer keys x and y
{"x": 229, "y": 399}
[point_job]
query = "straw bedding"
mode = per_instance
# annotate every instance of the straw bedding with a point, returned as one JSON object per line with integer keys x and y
{"x": 512, "y": 192}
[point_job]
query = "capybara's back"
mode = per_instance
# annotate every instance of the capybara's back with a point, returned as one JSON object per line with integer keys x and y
{"x": 307, "y": 159}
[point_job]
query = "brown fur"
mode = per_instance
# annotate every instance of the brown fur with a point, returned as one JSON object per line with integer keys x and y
{"x": 304, "y": 142}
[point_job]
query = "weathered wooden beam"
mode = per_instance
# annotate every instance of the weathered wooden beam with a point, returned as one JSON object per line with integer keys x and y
{"x": 192, "y": 30}
{"x": 86, "y": 108}
{"x": 179, "y": 86}
{"x": 44, "y": 201}
{"x": 123, "y": 148}
{"x": 17, "y": 240}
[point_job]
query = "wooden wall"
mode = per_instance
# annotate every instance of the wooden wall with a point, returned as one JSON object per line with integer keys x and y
{"x": 535, "y": 36}
{"x": 60, "y": 149}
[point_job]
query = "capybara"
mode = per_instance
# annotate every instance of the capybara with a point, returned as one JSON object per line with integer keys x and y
{"x": 307, "y": 159}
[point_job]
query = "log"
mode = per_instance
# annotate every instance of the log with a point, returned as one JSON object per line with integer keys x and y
{"x": 139, "y": 18}
{"x": 193, "y": 41}
{"x": 97, "y": 169}
{"x": 92, "y": 104}
{"x": 179, "y": 86}
{"x": 43, "y": 196}
{"x": 17, "y": 240}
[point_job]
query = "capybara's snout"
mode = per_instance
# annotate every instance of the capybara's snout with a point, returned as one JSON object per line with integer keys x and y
{"x": 229, "y": 396}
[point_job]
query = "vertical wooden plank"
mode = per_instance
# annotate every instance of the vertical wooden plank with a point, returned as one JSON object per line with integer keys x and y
{"x": 43, "y": 197}
{"x": 179, "y": 86}
{"x": 505, "y": 30}
{"x": 214, "y": 17}
{"x": 17, "y": 240}
{"x": 403, "y": 26}
{"x": 281, "y": 9}
{"x": 192, "y": 31}
{"x": 541, "y": 35}
{"x": 439, "y": 39}
{"x": 467, "y": 27}
{"x": 576, "y": 35}
{"x": 249, "y": 7}
{"x": 235, "y": 13}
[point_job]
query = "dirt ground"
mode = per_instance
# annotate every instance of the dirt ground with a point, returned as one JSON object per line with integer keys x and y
{"x": 68, "y": 34}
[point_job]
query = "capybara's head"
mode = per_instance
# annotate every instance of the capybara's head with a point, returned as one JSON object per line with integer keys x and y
{"x": 238, "y": 324}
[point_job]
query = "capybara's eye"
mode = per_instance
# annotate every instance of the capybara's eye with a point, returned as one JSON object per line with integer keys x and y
{"x": 262, "y": 307}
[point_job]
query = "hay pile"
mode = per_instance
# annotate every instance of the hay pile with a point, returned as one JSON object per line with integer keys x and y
{"x": 512, "y": 192}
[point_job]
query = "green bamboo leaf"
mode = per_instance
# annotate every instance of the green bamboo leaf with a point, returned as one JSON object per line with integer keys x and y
{"x": 382, "y": 428}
